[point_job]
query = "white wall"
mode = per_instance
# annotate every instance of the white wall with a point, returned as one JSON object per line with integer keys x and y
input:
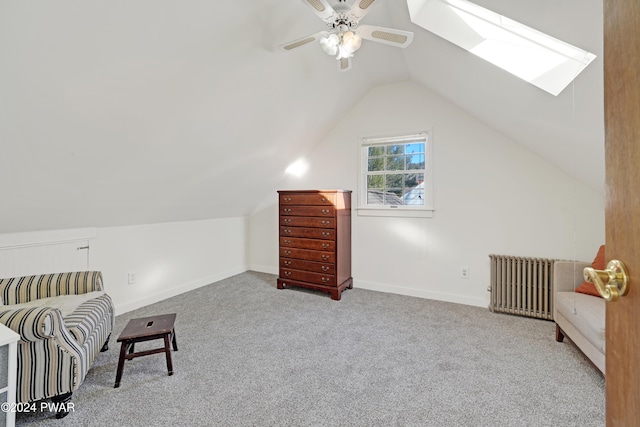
{"x": 168, "y": 258}
{"x": 491, "y": 197}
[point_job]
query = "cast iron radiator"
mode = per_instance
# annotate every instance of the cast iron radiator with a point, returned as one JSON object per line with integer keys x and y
{"x": 522, "y": 286}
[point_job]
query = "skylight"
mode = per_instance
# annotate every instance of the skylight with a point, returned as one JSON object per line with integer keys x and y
{"x": 535, "y": 57}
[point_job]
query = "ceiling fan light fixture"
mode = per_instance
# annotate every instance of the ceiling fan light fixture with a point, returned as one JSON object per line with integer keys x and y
{"x": 330, "y": 44}
{"x": 351, "y": 41}
{"x": 341, "y": 45}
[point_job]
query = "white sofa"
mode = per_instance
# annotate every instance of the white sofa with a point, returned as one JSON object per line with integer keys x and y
{"x": 578, "y": 316}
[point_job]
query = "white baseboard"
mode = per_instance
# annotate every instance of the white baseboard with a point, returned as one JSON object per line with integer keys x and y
{"x": 400, "y": 290}
{"x": 264, "y": 269}
{"x": 177, "y": 290}
{"x": 373, "y": 286}
{"x": 420, "y": 293}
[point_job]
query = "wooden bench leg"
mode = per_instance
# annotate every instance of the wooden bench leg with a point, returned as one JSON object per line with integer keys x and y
{"x": 123, "y": 354}
{"x": 167, "y": 352}
{"x": 175, "y": 344}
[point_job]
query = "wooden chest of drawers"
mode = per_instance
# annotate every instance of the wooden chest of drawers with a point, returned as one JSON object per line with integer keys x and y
{"x": 315, "y": 240}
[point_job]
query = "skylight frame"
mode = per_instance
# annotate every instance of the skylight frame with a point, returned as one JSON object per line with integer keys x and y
{"x": 538, "y": 58}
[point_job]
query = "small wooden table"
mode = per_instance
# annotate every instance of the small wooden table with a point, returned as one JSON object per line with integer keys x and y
{"x": 146, "y": 329}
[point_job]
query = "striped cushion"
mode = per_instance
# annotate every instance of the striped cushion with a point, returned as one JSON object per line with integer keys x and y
{"x": 84, "y": 320}
{"x": 18, "y": 290}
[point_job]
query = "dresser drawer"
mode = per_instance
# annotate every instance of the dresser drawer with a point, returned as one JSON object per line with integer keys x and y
{"x": 319, "y": 199}
{"x": 318, "y": 245}
{"x": 312, "y": 233}
{"x": 316, "y": 267}
{"x": 318, "y": 211}
{"x": 308, "y": 255}
{"x": 300, "y": 221}
{"x": 305, "y": 276}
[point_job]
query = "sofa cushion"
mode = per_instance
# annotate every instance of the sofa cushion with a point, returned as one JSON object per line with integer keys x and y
{"x": 599, "y": 264}
{"x": 588, "y": 318}
{"x": 84, "y": 319}
{"x": 65, "y": 303}
{"x": 81, "y": 312}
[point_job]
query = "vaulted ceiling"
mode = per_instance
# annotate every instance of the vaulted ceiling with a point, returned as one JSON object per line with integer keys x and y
{"x": 143, "y": 111}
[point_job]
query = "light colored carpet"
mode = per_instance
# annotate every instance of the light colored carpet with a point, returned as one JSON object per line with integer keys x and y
{"x": 252, "y": 355}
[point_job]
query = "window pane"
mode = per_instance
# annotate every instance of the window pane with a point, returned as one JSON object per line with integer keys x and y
{"x": 376, "y": 164}
{"x": 414, "y": 148}
{"x": 394, "y": 181}
{"x": 395, "y": 149}
{"x": 375, "y": 181}
{"x": 414, "y": 196}
{"x": 413, "y": 179}
{"x": 393, "y": 197}
{"x": 415, "y": 161}
{"x": 375, "y": 197}
{"x": 376, "y": 151}
{"x": 395, "y": 163}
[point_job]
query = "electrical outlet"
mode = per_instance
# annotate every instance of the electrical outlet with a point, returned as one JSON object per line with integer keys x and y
{"x": 464, "y": 272}
{"x": 131, "y": 278}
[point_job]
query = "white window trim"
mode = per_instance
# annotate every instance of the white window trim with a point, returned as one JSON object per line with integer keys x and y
{"x": 425, "y": 211}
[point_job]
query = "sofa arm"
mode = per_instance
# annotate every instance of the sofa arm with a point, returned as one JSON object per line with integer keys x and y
{"x": 19, "y": 290}
{"x": 567, "y": 275}
{"x": 40, "y": 323}
{"x": 32, "y": 324}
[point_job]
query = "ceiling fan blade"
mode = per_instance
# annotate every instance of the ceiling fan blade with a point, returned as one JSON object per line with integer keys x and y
{"x": 344, "y": 64}
{"x": 322, "y": 8}
{"x": 388, "y": 36}
{"x": 302, "y": 41}
{"x": 362, "y": 7}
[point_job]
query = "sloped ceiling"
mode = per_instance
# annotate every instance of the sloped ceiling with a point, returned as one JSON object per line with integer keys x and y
{"x": 143, "y": 111}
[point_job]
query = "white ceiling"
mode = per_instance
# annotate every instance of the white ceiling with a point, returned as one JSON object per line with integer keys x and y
{"x": 118, "y": 113}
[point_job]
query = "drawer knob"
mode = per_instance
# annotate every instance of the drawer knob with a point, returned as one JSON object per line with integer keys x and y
{"x": 287, "y": 199}
{"x": 287, "y": 242}
{"x": 325, "y": 246}
{"x": 287, "y": 252}
{"x": 286, "y": 220}
{"x": 287, "y": 273}
{"x": 325, "y": 234}
{"x": 325, "y": 257}
{"x": 287, "y": 263}
{"x": 325, "y": 222}
{"x": 325, "y": 279}
{"x": 286, "y": 210}
{"x": 324, "y": 200}
{"x": 325, "y": 211}
{"x": 287, "y": 231}
{"x": 325, "y": 268}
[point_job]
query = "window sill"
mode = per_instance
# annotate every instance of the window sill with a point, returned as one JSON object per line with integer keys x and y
{"x": 401, "y": 213}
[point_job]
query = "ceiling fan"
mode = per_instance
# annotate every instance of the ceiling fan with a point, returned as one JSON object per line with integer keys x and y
{"x": 345, "y": 35}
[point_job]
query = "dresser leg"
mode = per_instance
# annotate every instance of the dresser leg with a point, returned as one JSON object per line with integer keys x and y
{"x": 336, "y": 295}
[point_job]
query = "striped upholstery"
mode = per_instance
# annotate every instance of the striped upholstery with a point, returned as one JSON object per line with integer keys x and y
{"x": 22, "y": 289}
{"x": 55, "y": 353}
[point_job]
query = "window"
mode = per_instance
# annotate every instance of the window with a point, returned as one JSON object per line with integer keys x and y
{"x": 535, "y": 57}
{"x": 396, "y": 177}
